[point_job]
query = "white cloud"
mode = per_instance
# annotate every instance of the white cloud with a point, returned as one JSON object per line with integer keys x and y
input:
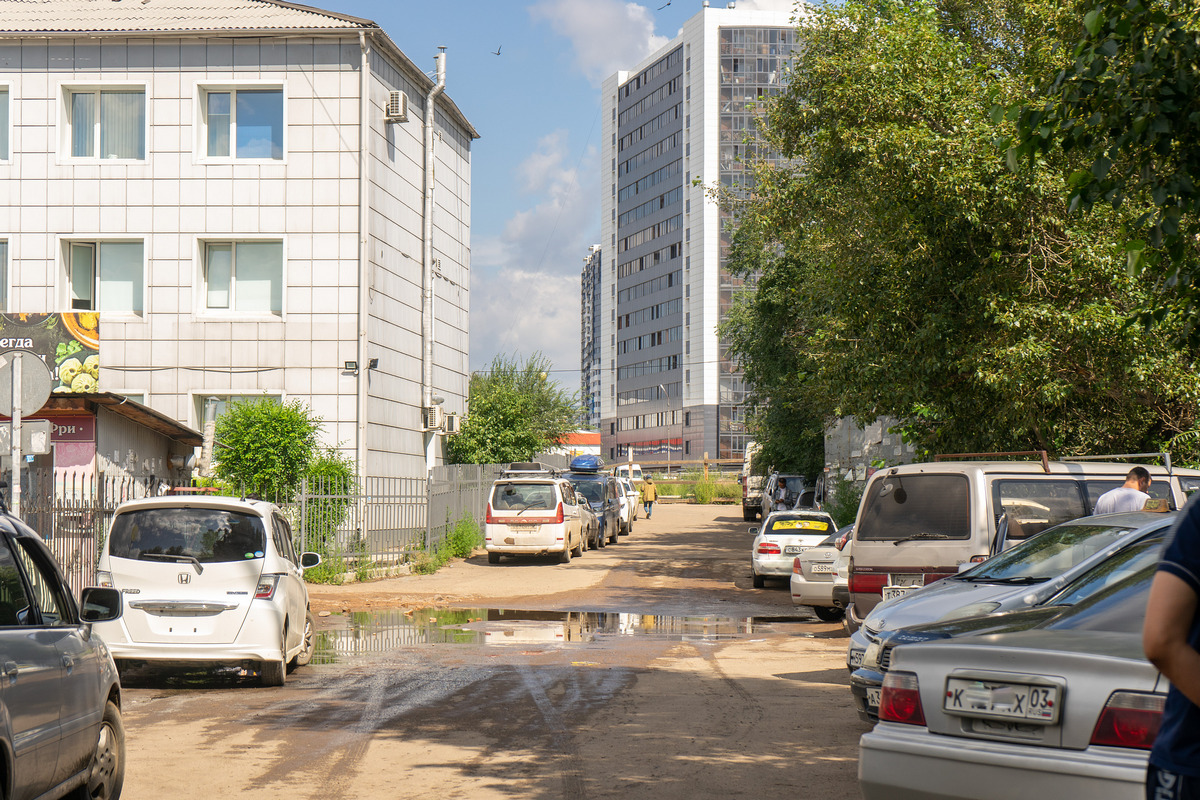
{"x": 605, "y": 35}
{"x": 525, "y": 282}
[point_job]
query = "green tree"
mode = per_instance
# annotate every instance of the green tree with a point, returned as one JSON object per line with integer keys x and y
{"x": 514, "y": 412}
{"x": 1129, "y": 103}
{"x": 266, "y": 446}
{"x": 924, "y": 279}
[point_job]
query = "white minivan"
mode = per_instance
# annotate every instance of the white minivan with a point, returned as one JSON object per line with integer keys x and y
{"x": 918, "y": 523}
{"x": 531, "y": 511}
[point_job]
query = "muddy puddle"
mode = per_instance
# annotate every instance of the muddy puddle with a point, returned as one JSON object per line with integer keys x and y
{"x": 361, "y": 633}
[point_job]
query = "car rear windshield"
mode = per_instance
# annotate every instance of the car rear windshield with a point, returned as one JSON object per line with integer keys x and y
{"x": 522, "y": 496}
{"x": 800, "y": 525}
{"x": 916, "y": 506}
{"x": 1048, "y": 554}
{"x": 209, "y": 535}
{"x": 592, "y": 490}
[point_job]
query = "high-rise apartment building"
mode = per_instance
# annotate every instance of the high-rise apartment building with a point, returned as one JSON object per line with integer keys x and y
{"x": 590, "y": 336}
{"x": 680, "y": 122}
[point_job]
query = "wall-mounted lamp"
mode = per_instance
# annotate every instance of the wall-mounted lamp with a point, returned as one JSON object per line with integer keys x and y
{"x": 373, "y": 363}
{"x": 351, "y": 366}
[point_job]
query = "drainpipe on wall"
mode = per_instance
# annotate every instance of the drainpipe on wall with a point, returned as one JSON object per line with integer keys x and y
{"x": 364, "y": 297}
{"x": 427, "y": 260}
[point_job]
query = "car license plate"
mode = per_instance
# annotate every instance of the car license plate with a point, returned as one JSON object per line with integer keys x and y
{"x": 1002, "y": 700}
{"x": 873, "y": 697}
{"x": 892, "y": 592}
{"x": 794, "y": 550}
{"x": 855, "y": 658}
{"x": 820, "y": 568}
{"x": 522, "y": 528}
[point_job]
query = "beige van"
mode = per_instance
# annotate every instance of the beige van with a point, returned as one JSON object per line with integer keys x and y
{"x": 918, "y": 523}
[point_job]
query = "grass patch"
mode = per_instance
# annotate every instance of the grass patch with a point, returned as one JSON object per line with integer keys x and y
{"x": 460, "y": 542}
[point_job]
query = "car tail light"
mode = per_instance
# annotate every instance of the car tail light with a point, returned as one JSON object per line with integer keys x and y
{"x": 840, "y": 544}
{"x": 745, "y": 490}
{"x": 489, "y": 518}
{"x": 558, "y": 517}
{"x": 867, "y": 582}
{"x": 768, "y": 549}
{"x": 978, "y": 559}
{"x": 1130, "y": 719}
{"x": 900, "y": 699}
{"x": 104, "y": 579}
{"x": 934, "y": 577}
{"x": 796, "y": 566}
{"x": 266, "y": 587}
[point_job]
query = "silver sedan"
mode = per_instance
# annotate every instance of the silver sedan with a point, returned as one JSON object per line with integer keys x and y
{"x": 1068, "y": 709}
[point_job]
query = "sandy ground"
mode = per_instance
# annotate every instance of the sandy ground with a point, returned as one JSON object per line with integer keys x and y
{"x": 763, "y": 714}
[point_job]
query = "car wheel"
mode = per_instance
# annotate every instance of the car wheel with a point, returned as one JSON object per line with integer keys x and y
{"x": 616, "y": 531}
{"x": 600, "y": 539}
{"x": 759, "y": 580}
{"x": 828, "y": 613}
{"x": 303, "y": 658}
{"x": 565, "y": 556}
{"x": 272, "y": 673}
{"x": 579, "y": 547}
{"x": 106, "y": 774}
{"x": 493, "y": 558}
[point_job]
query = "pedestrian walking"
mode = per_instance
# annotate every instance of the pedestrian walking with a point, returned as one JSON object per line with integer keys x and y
{"x": 1171, "y": 636}
{"x": 649, "y": 495}
{"x": 1130, "y": 496}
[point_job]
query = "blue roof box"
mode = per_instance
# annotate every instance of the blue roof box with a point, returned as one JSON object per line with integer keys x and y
{"x": 587, "y": 464}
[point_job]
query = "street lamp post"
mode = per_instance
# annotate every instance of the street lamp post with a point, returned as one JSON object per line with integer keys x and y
{"x": 668, "y": 397}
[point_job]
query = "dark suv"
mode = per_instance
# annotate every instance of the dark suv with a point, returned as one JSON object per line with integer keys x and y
{"x": 60, "y": 697}
{"x": 604, "y": 496}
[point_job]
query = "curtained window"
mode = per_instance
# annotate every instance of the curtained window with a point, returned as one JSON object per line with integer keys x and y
{"x": 106, "y": 276}
{"x": 244, "y": 277}
{"x": 108, "y": 123}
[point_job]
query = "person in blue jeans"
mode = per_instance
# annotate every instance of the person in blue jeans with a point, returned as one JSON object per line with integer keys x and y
{"x": 1171, "y": 638}
{"x": 649, "y": 495}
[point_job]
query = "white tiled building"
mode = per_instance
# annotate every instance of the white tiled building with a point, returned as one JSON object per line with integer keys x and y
{"x": 192, "y": 170}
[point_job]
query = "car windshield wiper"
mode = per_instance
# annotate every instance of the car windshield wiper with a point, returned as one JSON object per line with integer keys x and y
{"x": 176, "y": 558}
{"x": 1015, "y": 580}
{"x": 920, "y": 536}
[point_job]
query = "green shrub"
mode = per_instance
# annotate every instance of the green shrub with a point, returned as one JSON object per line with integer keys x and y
{"x": 703, "y": 491}
{"x": 843, "y": 500}
{"x": 464, "y": 538}
{"x": 729, "y": 491}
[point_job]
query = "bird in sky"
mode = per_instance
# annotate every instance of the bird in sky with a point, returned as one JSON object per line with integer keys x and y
{"x": 496, "y": 52}
{"x": 660, "y": 8}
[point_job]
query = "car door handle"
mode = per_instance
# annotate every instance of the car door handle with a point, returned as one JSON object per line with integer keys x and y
{"x": 68, "y": 661}
{"x": 10, "y": 671}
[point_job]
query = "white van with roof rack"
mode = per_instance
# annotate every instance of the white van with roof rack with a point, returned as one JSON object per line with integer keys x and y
{"x": 533, "y": 511}
{"x": 918, "y": 523}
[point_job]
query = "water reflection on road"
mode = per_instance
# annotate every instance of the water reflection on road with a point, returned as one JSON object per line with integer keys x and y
{"x": 360, "y": 633}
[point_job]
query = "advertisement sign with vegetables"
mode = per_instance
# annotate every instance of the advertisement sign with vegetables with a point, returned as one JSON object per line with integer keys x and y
{"x": 69, "y": 343}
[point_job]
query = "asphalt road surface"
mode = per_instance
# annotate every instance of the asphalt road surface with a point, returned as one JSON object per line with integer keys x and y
{"x": 648, "y": 669}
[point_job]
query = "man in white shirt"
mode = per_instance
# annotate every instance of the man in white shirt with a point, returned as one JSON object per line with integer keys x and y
{"x": 1129, "y": 497}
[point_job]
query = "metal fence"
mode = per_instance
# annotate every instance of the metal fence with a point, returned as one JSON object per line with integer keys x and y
{"x": 369, "y": 527}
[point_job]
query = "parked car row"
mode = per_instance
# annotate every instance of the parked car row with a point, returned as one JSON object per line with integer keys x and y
{"x": 996, "y": 630}
{"x": 534, "y": 510}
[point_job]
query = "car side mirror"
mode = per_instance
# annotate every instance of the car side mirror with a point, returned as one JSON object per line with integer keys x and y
{"x": 100, "y": 604}
{"x": 753, "y": 530}
{"x": 309, "y": 560}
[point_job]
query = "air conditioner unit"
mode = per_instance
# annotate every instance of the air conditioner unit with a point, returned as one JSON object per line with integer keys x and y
{"x": 434, "y": 416}
{"x": 397, "y": 107}
{"x": 453, "y": 423}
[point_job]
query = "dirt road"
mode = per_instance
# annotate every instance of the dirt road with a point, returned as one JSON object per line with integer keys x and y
{"x": 652, "y": 669}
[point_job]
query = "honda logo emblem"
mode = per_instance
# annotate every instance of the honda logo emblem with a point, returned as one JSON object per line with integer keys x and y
{"x": 185, "y": 577}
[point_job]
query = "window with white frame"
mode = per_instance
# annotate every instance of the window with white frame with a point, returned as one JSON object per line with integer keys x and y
{"x": 222, "y": 402}
{"x": 5, "y": 154}
{"x": 105, "y": 276}
{"x": 106, "y": 123}
{"x": 241, "y": 122}
{"x": 243, "y": 277}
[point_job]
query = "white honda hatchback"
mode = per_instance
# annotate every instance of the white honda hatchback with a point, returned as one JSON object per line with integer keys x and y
{"x": 207, "y": 581}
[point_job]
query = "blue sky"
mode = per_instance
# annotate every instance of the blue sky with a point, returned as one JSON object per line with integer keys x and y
{"x": 534, "y": 173}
